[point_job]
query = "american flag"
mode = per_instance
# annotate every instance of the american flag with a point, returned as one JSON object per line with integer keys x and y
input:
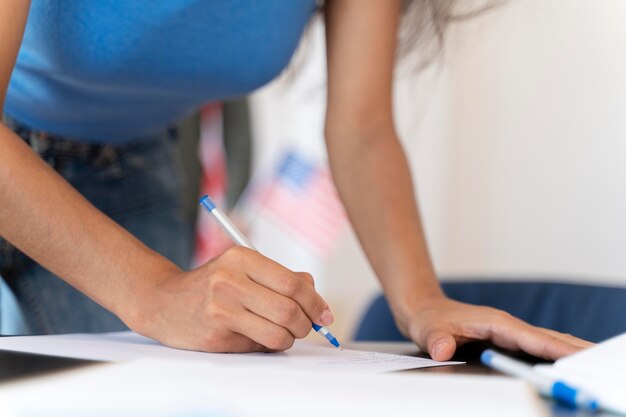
{"x": 302, "y": 200}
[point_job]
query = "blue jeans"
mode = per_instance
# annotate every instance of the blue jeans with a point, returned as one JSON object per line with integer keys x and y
{"x": 137, "y": 185}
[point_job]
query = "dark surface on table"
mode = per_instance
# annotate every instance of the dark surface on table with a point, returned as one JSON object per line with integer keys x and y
{"x": 470, "y": 354}
{"x": 17, "y": 365}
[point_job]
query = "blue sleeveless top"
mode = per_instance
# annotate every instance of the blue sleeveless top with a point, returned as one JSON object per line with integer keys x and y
{"x": 116, "y": 70}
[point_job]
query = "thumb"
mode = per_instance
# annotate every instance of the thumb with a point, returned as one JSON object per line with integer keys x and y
{"x": 441, "y": 345}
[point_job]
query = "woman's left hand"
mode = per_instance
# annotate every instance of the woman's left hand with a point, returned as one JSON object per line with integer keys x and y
{"x": 373, "y": 178}
{"x": 439, "y": 325}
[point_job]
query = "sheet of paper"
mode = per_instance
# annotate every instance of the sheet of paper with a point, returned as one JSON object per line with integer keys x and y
{"x": 169, "y": 388}
{"x": 125, "y": 346}
{"x": 604, "y": 360}
{"x": 600, "y": 370}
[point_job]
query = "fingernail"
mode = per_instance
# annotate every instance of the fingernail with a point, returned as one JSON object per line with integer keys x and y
{"x": 327, "y": 318}
{"x": 439, "y": 346}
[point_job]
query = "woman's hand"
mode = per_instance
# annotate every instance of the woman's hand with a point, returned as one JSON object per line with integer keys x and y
{"x": 240, "y": 301}
{"x": 438, "y": 325}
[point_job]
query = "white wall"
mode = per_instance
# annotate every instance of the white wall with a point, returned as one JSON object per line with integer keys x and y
{"x": 537, "y": 168}
{"x": 517, "y": 141}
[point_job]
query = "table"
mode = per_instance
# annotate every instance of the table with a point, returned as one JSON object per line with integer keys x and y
{"x": 19, "y": 365}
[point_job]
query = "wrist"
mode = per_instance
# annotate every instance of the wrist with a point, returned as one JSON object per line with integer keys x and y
{"x": 406, "y": 302}
{"x": 140, "y": 299}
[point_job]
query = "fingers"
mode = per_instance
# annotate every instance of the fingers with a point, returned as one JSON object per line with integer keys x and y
{"x": 583, "y": 344}
{"x": 278, "y": 309}
{"x": 441, "y": 345}
{"x": 260, "y": 300}
{"x": 512, "y": 333}
{"x": 441, "y": 325}
{"x": 262, "y": 331}
{"x": 294, "y": 285}
{"x": 237, "y": 343}
{"x": 546, "y": 345}
{"x": 240, "y": 301}
{"x": 434, "y": 335}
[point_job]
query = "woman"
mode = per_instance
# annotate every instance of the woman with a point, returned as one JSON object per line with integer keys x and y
{"x": 93, "y": 90}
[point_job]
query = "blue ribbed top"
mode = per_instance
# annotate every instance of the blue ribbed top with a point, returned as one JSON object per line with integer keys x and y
{"x": 117, "y": 70}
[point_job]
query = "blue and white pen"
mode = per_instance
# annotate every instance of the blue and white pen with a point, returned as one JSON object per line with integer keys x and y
{"x": 547, "y": 386}
{"x": 236, "y": 236}
{"x": 328, "y": 335}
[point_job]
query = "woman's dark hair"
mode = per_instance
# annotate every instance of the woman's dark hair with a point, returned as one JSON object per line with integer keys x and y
{"x": 424, "y": 23}
{"x": 422, "y": 28}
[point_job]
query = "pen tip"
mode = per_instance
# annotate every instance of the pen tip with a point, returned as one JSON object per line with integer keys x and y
{"x": 340, "y": 348}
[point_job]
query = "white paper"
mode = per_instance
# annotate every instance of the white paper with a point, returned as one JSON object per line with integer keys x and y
{"x": 599, "y": 370}
{"x": 125, "y": 346}
{"x": 169, "y": 388}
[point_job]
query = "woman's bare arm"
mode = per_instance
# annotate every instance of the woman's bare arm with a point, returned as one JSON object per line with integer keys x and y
{"x": 44, "y": 216}
{"x": 373, "y": 178}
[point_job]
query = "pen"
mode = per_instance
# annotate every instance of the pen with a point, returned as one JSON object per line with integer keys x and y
{"x": 239, "y": 238}
{"x": 547, "y": 386}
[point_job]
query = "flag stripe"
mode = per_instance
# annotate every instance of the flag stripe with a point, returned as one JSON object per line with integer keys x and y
{"x": 209, "y": 242}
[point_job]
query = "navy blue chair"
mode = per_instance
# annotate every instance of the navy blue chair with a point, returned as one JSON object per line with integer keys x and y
{"x": 590, "y": 312}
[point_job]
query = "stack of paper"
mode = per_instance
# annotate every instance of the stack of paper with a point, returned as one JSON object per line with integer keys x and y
{"x": 600, "y": 370}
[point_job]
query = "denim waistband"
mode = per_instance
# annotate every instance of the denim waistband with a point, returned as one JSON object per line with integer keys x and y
{"x": 45, "y": 143}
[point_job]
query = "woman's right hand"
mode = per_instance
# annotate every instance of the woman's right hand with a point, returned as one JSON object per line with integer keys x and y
{"x": 240, "y": 301}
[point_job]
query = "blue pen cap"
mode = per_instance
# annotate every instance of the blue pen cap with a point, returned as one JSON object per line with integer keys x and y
{"x": 486, "y": 356}
{"x": 570, "y": 395}
{"x": 207, "y": 203}
{"x": 564, "y": 392}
